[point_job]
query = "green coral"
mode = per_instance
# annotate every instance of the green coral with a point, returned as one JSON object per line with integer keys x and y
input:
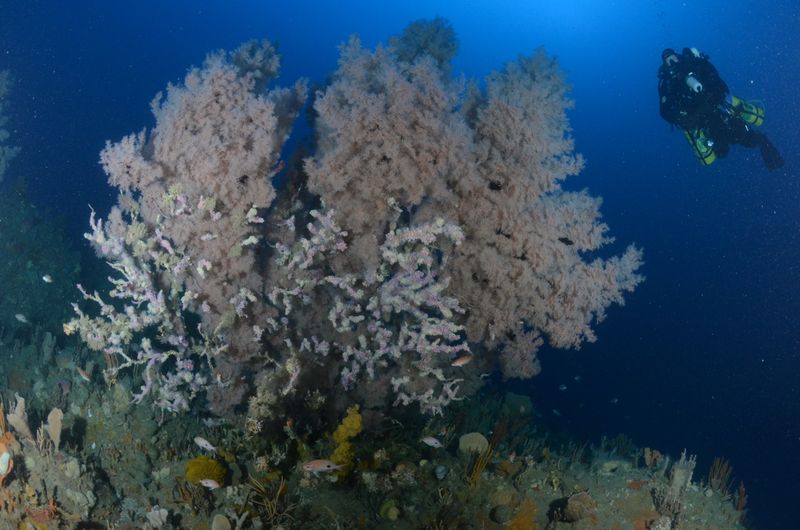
{"x": 204, "y": 467}
{"x": 389, "y": 510}
{"x": 350, "y": 427}
{"x": 345, "y": 453}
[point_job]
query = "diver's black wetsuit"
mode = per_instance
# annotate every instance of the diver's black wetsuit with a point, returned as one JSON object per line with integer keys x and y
{"x": 707, "y": 109}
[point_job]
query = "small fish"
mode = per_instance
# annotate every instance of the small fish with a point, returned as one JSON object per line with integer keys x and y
{"x": 47, "y": 278}
{"x": 210, "y": 483}
{"x": 562, "y": 387}
{"x": 567, "y": 241}
{"x": 430, "y": 441}
{"x": 556, "y": 412}
{"x": 577, "y": 378}
{"x": 614, "y": 401}
{"x": 320, "y": 466}
{"x": 84, "y": 374}
{"x": 204, "y": 444}
{"x": 21, "y": 318}
{"x": 461, "y": 361}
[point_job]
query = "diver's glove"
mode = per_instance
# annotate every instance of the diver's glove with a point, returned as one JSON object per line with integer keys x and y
{"x": 693, "y": 84}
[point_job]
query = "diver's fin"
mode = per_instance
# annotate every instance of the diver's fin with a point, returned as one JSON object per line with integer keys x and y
{"x": 772, "y": 158}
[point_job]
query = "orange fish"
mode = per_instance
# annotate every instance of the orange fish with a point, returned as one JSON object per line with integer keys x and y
{"x": 461, "y": 361}
{"x": 320, "y": 466}
{"x": 84, "y": 374}
{"x": 210, "y": 483}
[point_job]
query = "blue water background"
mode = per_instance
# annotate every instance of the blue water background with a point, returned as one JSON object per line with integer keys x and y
{"x": 705, "y": 353}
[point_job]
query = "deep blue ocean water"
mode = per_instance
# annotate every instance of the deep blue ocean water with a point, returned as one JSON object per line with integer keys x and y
{"x": 706, "y": 353}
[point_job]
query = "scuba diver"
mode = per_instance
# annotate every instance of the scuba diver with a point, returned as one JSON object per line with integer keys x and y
{"x": 693, "y": 96}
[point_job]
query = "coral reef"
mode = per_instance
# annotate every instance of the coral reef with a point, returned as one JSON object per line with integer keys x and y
{"x": 54, "y": 486}
{"x": 190, "y": 196}
{"x": 492, "y": 164}
{"x": 434, "y": 38}
{"x": 358, "y": 319}
{"x": 387, "y": 282}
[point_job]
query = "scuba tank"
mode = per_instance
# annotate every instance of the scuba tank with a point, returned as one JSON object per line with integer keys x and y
{"x": 749, "y": 111}
{"x": 693, "y": 84}
{"x": 702, "y": 145}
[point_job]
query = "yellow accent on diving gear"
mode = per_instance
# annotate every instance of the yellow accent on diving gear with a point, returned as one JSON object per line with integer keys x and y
{"x": 749, "y": 111}
{"x": 701, "y": 145}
